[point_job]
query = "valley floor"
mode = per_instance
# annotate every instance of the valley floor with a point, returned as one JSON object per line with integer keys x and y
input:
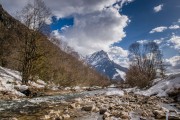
{"x": 159, "y": 102}
{"x": 102, "y": 104}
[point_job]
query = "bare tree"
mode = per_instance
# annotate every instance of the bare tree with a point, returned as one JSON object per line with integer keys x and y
{"x": 146, "y": 61}
{"x": 34, "y": 16}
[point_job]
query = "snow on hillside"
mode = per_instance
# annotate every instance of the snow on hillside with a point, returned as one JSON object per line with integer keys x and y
{"x": 163, "y": 87}
{"x": 10, "y": 81}
{"x": 121, "y": 73}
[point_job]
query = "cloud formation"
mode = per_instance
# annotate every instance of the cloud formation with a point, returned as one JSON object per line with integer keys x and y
{"x": 175, "y": 41}
{"x": 96, "y": 31}
{"x": 97, "y": 23}
{"x": 64, "y": 8}
{"x": 158, "y": 29}
{"x": 12, "y": 6}
{"x": 119, "y": 56}
{"x": 173, "y": 64}
{"x": 173, "y": 27}
{"x": 163, "y": 28}
{"x": 142, "y": 41}
{"x": 118, "y": 50}
{"x": 158, "y": 8}
{"x": 159, "y": 41}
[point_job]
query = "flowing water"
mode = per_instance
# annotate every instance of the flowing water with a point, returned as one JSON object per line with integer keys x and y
{"x": 17, "y": 104}
{"x": 37, "y": 106}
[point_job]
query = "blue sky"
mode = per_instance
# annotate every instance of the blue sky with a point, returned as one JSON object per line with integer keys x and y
{"x": 143, "y": 19}
{"x": 112, "y": 25}
{"x": 58, "y": 24}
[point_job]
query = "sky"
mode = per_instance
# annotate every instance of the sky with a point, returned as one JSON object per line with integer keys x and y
{"x": 112, "y": 25}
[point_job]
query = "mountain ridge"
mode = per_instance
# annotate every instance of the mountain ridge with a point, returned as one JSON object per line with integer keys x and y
{"x": 101, "y": 62}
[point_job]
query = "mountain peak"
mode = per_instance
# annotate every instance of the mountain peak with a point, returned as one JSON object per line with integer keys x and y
{"x": 97, "y": 57}
{"x": 102, "y": 63}
{"x": 102, "y": 54}
{"x": 102, "y": 51}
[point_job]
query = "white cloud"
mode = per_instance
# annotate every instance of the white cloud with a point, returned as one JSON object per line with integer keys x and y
{"x": 115, "y": 50}
{"x": 97, "y": 23}
{"x": 96, "y": 31}
{"x": 158, "y": 29}
{"x": 163, "y": 28}
{"x": 48, "y": 21}
{"x": 56, "y": 35}
{"x": 174, "y": 61}
{"x": 65, "y": 27}
{"x": 175, "y": 40}
{"x": 64, "y": 8}
{"x": 173, "y": 64}
{"x": 158, "y": 8}
{"x": 174, "y": 27}
{"x": 119, "y": 55}
{"x": 125, "y": 2}
{"x": 159, "y": 41}
{"x": 12, "y": 6}
{"x": 142, "y": 41}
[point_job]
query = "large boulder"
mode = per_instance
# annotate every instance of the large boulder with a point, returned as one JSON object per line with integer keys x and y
{"x": 27, "y": 92}
{"x": 159, "y": 114}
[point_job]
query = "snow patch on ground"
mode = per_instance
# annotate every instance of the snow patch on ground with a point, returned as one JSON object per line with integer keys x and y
{"x": 115, "y": 92}
{"x": 41, "y": 82}
{"x": 10, "y": 82}
{"x": 112, "y": 86}
{"x": 21, "y": 87}
{"x": 34, "y": 84}
{"x": 134, "y": 89}
{"x": 162, "y": 87}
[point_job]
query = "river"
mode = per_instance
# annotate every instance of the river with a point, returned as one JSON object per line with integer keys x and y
{"x": 29, "y": 109}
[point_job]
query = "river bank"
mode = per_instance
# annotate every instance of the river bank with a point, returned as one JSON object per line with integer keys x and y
{"x": 46, "y": 101}
{"x": 102, "y": 104}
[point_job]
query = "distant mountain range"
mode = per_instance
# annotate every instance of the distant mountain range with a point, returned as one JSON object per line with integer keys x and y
{"x": 102, "y": 63}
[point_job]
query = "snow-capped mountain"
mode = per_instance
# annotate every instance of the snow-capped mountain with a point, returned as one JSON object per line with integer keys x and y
{"x": 102, "y": 63}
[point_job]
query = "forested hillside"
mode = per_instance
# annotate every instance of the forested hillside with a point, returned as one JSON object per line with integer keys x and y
{"x": 51, "y": 64}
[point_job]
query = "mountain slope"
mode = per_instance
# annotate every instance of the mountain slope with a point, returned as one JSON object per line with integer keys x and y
{"x": 101, "y": 62}
{"x": 54, "y": 66}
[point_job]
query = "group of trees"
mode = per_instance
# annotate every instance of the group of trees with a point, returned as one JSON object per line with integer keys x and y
{"x": 146, "y": 64}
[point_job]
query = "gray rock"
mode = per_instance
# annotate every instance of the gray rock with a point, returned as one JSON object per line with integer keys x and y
{"x": 124, "y": 115}
{"x": 72, "y": 106}
{"x": 106, "y": 115}
{"x": 65, "y": 116}
{"x": 88, "y": 108}
{"x": 102, "y": 111}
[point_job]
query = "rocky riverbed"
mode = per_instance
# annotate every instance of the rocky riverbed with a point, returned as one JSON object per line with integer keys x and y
{"x": 91, "y": 106}
{"x": 128, "y": 107}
